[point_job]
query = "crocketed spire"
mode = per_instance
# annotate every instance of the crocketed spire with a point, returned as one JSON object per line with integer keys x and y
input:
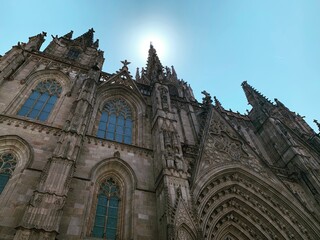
{"x": 86, "y": 39}
{"x": 255, "y": 98}
{"x": 154, "y": 67}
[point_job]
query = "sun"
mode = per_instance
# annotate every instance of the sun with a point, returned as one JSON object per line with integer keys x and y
{"x": 158, "y": 43}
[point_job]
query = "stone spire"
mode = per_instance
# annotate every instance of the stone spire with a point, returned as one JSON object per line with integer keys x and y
{"x": 154, "y": 69}
{"x": 174, "y": 74}
{"x": 255, "y": 98}
{"x": 86, "y": 39}
{"x": 137, "y": 75}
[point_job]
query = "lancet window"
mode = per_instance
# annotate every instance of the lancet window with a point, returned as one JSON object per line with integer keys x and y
{"x": 107, "y": 210}
{"x": 42, "y": 100}
{"x": 116, "y": 122}
{"x": 7, "y": 165}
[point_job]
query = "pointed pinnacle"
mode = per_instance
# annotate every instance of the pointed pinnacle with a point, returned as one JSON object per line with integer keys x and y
{"x": 254, "y": 97}
{"x": 137, "y": 75}
{"x": 317, "y": 123}
{"x": 217, "y": 103}
{"x": 96, "y": 44}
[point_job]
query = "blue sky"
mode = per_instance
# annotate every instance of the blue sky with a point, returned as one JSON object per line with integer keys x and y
{"x": 214, "y": 45}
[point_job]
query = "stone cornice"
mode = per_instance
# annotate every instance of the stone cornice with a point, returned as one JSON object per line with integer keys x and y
{"x": 118, "y": 146}
{"x": 25, "y": 123}
{"x": 35, "y": 125}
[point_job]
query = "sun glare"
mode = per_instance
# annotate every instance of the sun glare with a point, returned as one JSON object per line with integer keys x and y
{"x": 158, "y": 43}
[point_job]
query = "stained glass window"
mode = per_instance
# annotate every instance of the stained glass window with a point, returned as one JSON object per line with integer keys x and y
{"x": 106, "y": 218}
{"x": 116, "y": 122}
{"x": 41, "y": 101}
{"x": 7, "y": 164}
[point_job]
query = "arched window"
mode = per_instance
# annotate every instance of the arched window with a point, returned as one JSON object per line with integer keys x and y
{"x": 106, "y": 218}
{"x": 41, "y": 101}
{"x": 7, "y": 165}
{"x": 116, "y": 122}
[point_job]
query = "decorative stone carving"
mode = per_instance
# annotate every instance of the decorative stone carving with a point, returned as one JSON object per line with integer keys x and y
{"x": 213, "y": 201}
{"x": 172, "y": 151}
{"x": 223, "y": 146}
{"x": 164, "y": 95}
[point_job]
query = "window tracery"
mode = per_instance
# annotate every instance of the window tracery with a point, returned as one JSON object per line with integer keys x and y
{"x": 116, "y": 122}
{"x": 8, "y": 163}
{"x": 41, "y": 101}
{"x": 107, "y": 210}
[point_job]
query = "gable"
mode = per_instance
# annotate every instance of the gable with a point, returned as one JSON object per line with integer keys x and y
{"x": 222, "y": 145}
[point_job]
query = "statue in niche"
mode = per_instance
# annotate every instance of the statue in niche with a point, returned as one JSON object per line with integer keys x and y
{"x": 173, "y": 155}
{"x": 169, "y": 153}
{"x": 178, "y": 160}
{"x": 164, "y": 99}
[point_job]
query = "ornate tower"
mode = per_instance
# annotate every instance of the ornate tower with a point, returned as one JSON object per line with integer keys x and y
{"x": 42, "y": 217}
{"x": 174, "y": 202}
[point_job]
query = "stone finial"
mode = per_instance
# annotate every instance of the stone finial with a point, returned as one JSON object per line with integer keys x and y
{"x": 206, "y": 100}
{"x": 125, "y": 64}
{"x": 317, "y": 123}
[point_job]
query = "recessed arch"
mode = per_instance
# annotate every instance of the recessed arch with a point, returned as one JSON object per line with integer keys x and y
{"x": 258, "y": 221}
{"x": 259, "y": 198}
{"x": 118, "y": 170}
{"x": 132, "y": 98}
{"x": 23, "y": 154}
{"x": 232, "y": 231}
{"x": 235, "y": 225}
{"x": 40, "y": 75}
{"x": 31, "y": 83}
{"x": 20, "y": 147}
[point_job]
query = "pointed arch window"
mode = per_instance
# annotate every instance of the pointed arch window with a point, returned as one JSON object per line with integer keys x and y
{"x": 41, "y": 101}
{"x": 107, "y": 211}
{"x": 8, "y": 163}
{"x": 116, "y": 122}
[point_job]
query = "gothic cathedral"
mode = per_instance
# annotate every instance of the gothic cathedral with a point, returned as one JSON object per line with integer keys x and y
{"x": 86, "y": 154}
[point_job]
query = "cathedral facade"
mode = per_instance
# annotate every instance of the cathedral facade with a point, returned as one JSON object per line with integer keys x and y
{"x": 86, "y": 154}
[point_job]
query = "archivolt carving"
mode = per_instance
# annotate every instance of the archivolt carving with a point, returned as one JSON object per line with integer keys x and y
{"x": 233, "y": 194}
